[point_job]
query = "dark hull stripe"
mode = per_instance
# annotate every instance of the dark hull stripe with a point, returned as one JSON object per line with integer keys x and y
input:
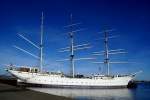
{"x": 69, "y": 86}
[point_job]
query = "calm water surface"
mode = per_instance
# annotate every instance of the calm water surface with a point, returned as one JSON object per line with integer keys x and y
{"x": 142, "y": 92}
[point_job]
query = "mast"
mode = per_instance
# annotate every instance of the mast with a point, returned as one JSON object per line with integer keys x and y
{"x": 41, "y": 44}
{"x": 106, "y": 60}
{"x": 39, "y": 47}
{"x": 71, "y": 48}
{"x": 106, "y": 52}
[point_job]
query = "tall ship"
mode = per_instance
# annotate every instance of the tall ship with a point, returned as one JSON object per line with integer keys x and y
{"x": 37, "y": 77}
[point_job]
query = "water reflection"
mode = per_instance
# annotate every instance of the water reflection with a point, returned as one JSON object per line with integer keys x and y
{"x": 94, "y": 94}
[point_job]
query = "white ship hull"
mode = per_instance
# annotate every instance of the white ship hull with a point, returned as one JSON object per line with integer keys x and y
{"x": 59, "y": 81}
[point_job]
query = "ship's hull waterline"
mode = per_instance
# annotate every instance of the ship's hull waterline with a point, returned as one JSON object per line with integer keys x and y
{"x": 48, "y": 80}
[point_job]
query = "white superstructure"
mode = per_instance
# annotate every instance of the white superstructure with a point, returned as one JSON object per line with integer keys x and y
{"x": 34, "y": 76}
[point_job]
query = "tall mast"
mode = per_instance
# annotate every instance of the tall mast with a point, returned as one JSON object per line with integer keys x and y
{"x": 71, "y": 48}
{"x": 106, "y": 60}
{"x": 41, "y": 45}
{"x": 108, "y": 52}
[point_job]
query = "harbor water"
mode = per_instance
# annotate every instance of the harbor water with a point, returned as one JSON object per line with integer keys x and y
{"x": 142, "y": 92}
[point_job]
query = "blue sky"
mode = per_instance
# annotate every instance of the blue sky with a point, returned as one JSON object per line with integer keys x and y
{"x": 129, "y": 18}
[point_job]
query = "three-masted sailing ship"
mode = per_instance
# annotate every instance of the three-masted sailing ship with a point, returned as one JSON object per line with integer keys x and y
{"x": 37, "y": 77}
